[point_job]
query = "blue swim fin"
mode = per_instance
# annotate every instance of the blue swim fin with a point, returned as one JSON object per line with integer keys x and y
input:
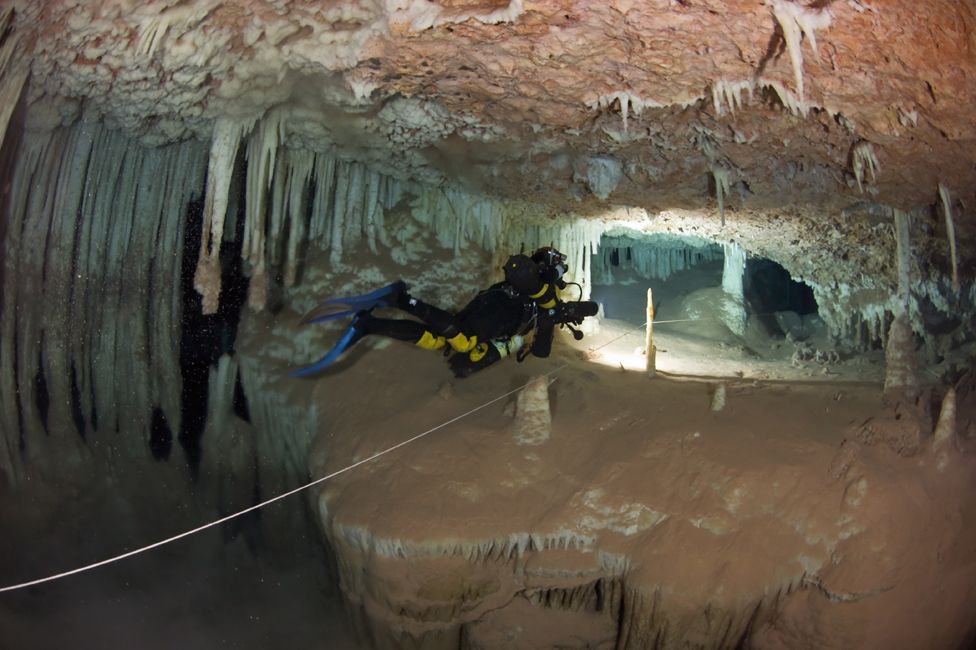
{"x": 349, "y": 338}
{"x": 336, "y": 308}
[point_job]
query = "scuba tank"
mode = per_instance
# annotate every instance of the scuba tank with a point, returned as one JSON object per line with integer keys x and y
{"x": 537, "y": 278}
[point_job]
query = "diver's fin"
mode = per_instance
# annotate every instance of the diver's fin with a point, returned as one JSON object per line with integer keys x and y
{"x": 349, "y": 338}
{"x": 335, "y": 308}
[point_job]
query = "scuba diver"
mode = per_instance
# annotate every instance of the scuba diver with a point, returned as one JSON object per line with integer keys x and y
{"x": 492, "y": 326}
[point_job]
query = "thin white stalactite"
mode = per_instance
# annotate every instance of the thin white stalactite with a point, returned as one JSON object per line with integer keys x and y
{"x": 262, "y": 149}
{"x": 353, "y": 205}
{"x": 864, "y": 163}
{"x": 372, "y": 207}
{"x": 796, "y": 22}
{"x": 277, "y": 209}
{"x": 227, "y": 135}
{"x": 336, "y": 240}
{"x": 320, "y": 231}
{"x": 299, "y": 178}
{"x": 951, "y": 234}
{"x": 722, "y": 189}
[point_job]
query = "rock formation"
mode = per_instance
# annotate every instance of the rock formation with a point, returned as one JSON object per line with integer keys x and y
{"x": 165, "y": 164}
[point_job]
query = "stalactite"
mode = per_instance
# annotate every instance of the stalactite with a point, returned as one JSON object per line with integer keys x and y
{"x": 722, "y": 189}
{"x": 91, "y": 293}
{"x": 262, "y": 150}
{"x": 864, "y": 163}
{"x": 302, "y": 164}
{"x": 13, "y": 69}
{"x": 951, "y": 234}
{"x": 796, "y": 22}
{"x": 652, "y": 258}
{"x": 324, "y": 174}
{"x": 338, "y": 215}
{"x": 227, "y": 135}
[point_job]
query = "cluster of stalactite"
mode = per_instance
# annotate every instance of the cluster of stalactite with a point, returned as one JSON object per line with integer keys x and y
{"x": 292, "y": 197}
{"x": 651, "y": 259}
{"x": 90, "y": 329}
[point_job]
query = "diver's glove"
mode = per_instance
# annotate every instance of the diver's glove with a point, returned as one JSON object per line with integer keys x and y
{"x": 506, "y": 347}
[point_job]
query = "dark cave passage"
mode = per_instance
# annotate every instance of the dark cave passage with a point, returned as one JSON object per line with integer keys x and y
{"x": 770, "y": 288}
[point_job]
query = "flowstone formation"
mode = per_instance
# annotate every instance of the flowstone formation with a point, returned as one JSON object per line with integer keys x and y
{"x": 644, "y": 518}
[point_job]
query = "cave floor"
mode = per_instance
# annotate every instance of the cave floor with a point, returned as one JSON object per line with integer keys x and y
{"x": 683, "y": 352}
{"x": 710, "y": 515}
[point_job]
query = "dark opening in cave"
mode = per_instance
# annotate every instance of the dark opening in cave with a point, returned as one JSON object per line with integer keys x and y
{"x": 769, "y": 287}
{"x": 782, "y": 304}
{"x": 204, "y": 338}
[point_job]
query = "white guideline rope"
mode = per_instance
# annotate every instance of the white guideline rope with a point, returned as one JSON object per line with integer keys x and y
{"x": 192, "y": 531}
{"x": 143, "y": 549}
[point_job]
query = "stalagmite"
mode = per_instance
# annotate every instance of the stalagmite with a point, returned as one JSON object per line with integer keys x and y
{"x": 951, "y": 234}
{"x": 901, "y": 371}
{"x": 733, "y": 305}
{"x": 227, "y": 135}
{"x": 944, "y": 437}
{"x": 533, "y": 420}
{"x": 649, "y": 350}
{"x": 718, "y": 397}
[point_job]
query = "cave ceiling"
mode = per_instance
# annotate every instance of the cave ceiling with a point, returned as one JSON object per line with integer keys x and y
{"x": 831, "y": 103}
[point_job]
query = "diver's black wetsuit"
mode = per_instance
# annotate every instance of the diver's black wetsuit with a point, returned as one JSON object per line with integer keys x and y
{"x": 479, "y": 334}
{"x": 491, "y": 326}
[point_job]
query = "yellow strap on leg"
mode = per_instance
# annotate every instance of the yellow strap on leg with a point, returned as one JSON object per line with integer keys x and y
{"x": 430, "y": 342}
{"x": 463, "y": 343}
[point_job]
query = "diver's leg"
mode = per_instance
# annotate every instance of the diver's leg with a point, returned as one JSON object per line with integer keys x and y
{"x": 401, "y": 330}
{"x": 441, "y": 322}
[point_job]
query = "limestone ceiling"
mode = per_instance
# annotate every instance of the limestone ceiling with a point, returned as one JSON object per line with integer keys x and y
{"x": 657, "y": 103}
